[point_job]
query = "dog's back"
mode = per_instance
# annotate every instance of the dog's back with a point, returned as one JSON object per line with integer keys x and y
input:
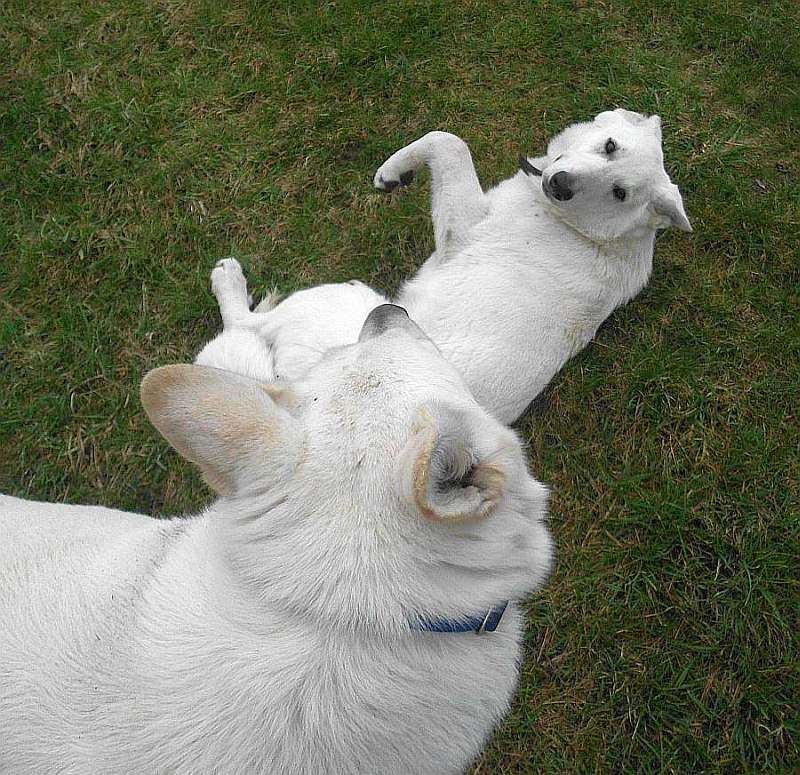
{"x": 70, "y": 579}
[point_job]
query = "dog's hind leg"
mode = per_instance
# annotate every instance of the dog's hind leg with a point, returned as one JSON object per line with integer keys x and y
{"x": 458, "y": 201}
{"x": 238, "y": 348}
{"x": 240, "y": 351}
{"x": 229, "y": 285}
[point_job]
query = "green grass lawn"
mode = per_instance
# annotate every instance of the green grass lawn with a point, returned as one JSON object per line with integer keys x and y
{"x": 141, "y": 141}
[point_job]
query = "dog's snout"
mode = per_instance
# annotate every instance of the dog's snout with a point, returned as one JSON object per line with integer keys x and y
{"x": 383, "y": 318}
{"x": 559, "y": 186}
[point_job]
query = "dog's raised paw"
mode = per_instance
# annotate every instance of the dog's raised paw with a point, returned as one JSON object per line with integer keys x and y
{"x": 229, "y": 265}
{"x": 387, "y": 184}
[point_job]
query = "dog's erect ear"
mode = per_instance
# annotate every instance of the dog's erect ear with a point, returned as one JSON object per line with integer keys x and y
{"x": 636, "y": 119}
{"x": 631, "y": 116}
{"x": 443, "y": 474}
{"x": 227, "y": 424}
{"x": 667, "y": 208}
{"x": 655, "y": 123}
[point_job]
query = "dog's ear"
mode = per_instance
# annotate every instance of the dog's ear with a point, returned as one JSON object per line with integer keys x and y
{"x": 228, "y": 425}
{"x": 636, "y": 119}
{"x": 667, "y": 208}
{"x": 629, "y": 115}
{"x": 655, "y": 124}
{"x": 443, "y": 473}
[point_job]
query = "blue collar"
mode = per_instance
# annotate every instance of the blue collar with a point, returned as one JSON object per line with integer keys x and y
{"x": 485, "y": 622}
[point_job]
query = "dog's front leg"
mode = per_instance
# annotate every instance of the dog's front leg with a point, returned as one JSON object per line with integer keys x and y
{"x": 458, "y": 201}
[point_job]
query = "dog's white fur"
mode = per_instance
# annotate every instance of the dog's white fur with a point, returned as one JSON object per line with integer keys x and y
{"x": 273, "y": 633}
{"x": 282, "y": 341}
{"x": 519, "y": 281}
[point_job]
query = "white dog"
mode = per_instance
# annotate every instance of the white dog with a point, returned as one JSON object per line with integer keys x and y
{"x": 522, "y": 276}
{"x": 340, "y": 608}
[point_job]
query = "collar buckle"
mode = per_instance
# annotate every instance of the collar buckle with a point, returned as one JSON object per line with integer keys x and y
{"x": 487, "y": 622}
{"x": 492, "y": 619}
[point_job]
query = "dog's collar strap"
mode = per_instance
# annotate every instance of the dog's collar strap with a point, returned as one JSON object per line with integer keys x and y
{"x": 485, "y": 622}
{"x": 528, "y": 168}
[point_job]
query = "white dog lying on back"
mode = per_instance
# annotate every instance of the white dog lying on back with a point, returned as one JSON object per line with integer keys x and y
{"x": 305, "y": 623}
{"x": 522, "y": 276}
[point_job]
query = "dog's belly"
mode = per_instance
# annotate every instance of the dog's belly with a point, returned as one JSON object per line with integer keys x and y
{"x": 503, "y": 330}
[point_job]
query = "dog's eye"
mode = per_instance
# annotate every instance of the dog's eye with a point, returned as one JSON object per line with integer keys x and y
{"x": 619, "y": 193}
{"x": 611, "y": 146}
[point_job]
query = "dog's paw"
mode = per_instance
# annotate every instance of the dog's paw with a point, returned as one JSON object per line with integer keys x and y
{"x": 227, "y": 279}
{"x": 388, "y": 180}
{"x": 229, "y": 285}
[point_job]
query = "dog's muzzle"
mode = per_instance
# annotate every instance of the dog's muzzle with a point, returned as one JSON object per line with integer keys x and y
{"x": 557, "y": 187}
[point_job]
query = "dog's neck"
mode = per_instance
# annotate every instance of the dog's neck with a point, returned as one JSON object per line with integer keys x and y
{"x": 621, "y": 264}
{"x": 629, "y": 245}
{"x": 289, "y": 564}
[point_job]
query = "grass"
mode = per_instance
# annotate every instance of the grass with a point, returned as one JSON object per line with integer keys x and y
{"x": 143, "y": 140}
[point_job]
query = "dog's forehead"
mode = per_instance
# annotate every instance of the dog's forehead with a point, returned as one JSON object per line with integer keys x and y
{"x": 642, "y": 134}
{"x": 373, "y": 404}
{"x": 385, "y": 369}
{"x": 640, "y": 141}
{"x": 639, "y": 146}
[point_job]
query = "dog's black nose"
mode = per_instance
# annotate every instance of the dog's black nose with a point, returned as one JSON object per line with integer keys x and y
{"x": 382, "y": 319}
{"x": 558, "y": 187}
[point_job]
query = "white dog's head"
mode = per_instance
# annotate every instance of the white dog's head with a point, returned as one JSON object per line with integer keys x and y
{"x": 375, "y": 488}
{"x": 606, "y": 177}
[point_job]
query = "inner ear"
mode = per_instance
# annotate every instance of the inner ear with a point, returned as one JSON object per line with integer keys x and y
{"x": 667, "y": 208}
{"x": 444, "y": 472}
{"x": 228, "y": 425}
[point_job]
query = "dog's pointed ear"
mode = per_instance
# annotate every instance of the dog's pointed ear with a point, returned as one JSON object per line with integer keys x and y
{"x": 631, "y": 116}
{"x": 667, "y": 208}
{"x": 226, "y": 424}
{"x": 443, "y": 473}
{"x": 655, "y": 123}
